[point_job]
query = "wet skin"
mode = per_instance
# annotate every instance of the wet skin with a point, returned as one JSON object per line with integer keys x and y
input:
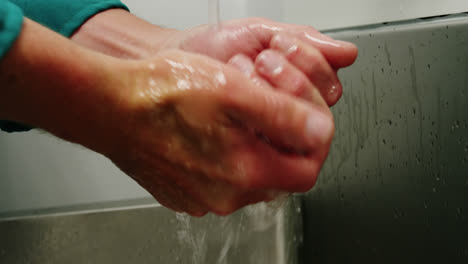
{"x": 223, "y": 134}
{"x": 207, "y": 132}
{"x": 194, "y": 137}
{"x": 302, "y": 51}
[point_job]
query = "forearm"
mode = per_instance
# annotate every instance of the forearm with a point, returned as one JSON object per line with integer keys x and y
{"x": 48, "y": 82}
{"x": 118, "y": 33}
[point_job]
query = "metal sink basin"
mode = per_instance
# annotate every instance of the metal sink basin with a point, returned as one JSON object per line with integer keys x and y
{"x": 148, "y": 233}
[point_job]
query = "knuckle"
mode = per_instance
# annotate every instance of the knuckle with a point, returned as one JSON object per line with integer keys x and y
{"x": 250, "y": 179}
{"x": 300, "y": 86}
{"x": 295, "y": 52}
{"x": 316, "y": 61}
{"x": 244, "y": 173}
{"x": 262, "y": 57}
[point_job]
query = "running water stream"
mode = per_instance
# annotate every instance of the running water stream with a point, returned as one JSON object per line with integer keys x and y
{"x": 213, "y": 12}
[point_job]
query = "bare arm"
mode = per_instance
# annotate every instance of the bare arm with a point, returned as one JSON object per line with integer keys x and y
{"x": 51, "y": 83}
{"x": 118, "y": 33}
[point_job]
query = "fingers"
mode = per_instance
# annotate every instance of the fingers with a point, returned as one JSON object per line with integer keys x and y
{"x": 264, "y": 167}
{"x": 281, "y": 118}
{"x": 272, "y": 68}
{"x": 338, "y": 53}
{"x": 245, "y": 64}
{"x": 285, "y": 77}
{"x": 312, "y": 63}
{"x": 294, "y": 67}
{"x": 295, "y": 139}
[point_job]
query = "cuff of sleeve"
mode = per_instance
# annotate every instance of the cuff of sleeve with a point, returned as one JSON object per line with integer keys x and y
{"x": 80, "y": 18}
{"x": 11, "y": 26}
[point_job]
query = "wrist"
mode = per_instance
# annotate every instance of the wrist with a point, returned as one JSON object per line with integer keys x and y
{"x": 118, "y": 33}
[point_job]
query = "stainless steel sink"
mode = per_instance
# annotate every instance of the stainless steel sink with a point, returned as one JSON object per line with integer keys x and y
{"x": 144, "y": 232}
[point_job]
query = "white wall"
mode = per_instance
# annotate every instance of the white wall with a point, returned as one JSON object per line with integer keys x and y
{"x": 322, "y": 14}
{"x": 182, "y": 14}
{"x": 38, "y": 170}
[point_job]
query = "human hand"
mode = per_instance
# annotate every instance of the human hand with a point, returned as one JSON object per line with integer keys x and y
{"x": 198, "y": 134}
{"x": 300, "y": 51}
{"x": 120, "y": 34}
{"x": 202, "y": 137}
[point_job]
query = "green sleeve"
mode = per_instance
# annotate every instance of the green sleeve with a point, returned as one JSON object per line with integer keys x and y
{"x": 11, "y": 20}
{"x": 62, "y": 16}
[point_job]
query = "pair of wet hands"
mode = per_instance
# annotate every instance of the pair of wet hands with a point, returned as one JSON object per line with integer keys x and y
{"x": 226, "y": 116}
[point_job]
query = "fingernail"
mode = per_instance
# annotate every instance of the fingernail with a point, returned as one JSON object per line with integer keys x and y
{"x": 285, "y": 44}
{"x": 270, "y": 63}
{"x": 338, "y": 43}
{"x": 319, "y": 127}
{"x": 324, "y": 40}
{"x": 345, "y": 43}
{"x": 242, "y": 63}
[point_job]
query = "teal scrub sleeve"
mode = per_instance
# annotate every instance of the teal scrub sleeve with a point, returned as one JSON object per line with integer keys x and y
{"x": 62, "y": 16}
{"x": 11, "y": 21}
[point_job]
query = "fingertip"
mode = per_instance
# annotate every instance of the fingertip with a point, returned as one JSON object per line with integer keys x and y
{"x": 339, "y": 53}
{"x": 334, "y": 94}
{"x": 350, "y": 54}
{"x": 269, "y": 63}
{"x": 243, "y": 64}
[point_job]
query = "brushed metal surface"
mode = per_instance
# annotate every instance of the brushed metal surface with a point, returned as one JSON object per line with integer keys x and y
{"x": 395, "y": 187}
{"x": 258, "y": 234}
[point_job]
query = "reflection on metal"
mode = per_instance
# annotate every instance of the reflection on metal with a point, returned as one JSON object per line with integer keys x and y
{"x": 258, "y": 234}
{"x": 395, "y": 187}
